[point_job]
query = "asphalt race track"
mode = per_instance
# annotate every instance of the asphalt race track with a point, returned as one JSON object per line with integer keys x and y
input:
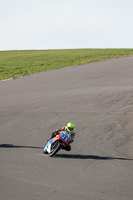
{"x": 98, "y": 99}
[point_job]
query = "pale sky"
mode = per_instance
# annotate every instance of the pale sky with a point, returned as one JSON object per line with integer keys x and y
{"x": 65, "y": 24}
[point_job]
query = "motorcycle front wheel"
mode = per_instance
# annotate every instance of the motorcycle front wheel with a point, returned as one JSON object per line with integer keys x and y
{"x": 56, "y": 146}
{"x": 45, "y": 150}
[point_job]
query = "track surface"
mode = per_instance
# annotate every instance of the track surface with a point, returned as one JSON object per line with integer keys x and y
{"x": 98, "y": 99}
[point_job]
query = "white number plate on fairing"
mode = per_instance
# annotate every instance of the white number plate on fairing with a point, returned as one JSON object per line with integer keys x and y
{"x": 64, "y": 137}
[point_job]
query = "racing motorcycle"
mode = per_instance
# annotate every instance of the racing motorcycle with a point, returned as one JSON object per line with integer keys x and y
{"x": 57, "y": 143}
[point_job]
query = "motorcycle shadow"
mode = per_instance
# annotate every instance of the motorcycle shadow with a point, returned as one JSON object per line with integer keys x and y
{"x": 94, "y": 157}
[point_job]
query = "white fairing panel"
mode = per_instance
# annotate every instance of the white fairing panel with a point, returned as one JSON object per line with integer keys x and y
{"x": 48, "y": 147}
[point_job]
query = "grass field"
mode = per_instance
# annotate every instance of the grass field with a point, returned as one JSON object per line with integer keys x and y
{"x": 20, "y": 63}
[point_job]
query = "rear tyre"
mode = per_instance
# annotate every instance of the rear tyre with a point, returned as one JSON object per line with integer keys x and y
{"x": 56, "y": 146}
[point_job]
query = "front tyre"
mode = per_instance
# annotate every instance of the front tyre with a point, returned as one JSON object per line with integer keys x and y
{"x": 56, "y": 146}
{"x": 45, "y": 150}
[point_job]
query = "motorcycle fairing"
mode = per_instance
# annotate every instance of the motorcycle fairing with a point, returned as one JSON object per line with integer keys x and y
{"x": 50, "y": 142}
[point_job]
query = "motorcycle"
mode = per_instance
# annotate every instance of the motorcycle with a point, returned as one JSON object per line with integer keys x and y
{"x": 57, "y": 143}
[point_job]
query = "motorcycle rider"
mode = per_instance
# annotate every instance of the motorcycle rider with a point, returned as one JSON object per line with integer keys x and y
{"x": 70, "y": 128}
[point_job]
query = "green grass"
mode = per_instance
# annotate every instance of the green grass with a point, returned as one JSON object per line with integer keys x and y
{"x": 20, "y": 63}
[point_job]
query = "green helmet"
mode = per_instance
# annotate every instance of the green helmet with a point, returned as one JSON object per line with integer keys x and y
{"x": 70, "y": 127}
